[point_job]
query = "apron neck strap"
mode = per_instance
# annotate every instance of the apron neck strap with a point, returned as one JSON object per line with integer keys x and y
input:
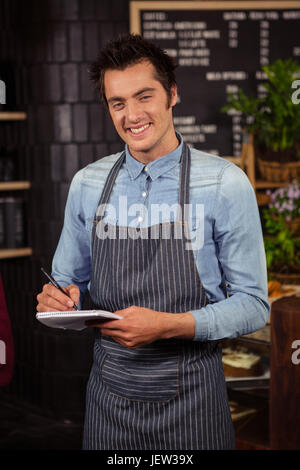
{"x": 184, "y": 184}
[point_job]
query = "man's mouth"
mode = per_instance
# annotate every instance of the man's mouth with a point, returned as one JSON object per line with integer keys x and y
{"x": 139, "y": 130}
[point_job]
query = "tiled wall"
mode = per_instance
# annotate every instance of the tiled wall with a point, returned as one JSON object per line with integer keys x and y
{"x": 50, "y": 44}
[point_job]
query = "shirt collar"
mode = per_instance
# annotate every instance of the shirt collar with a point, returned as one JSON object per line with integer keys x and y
{"x": 157, "y": 167}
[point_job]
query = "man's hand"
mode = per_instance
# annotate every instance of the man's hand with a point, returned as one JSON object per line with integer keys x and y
{"x": 141, "y": 326}
{"x": 52, "y": 300}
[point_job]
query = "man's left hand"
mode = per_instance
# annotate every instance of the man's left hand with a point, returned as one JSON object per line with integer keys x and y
{"x": 141, "y": 326}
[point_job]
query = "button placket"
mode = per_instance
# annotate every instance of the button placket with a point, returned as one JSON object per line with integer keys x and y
{"x": 144, "y": 194}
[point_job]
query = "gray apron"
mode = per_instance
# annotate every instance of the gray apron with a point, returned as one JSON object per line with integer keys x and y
{"x": 171, "y": 394}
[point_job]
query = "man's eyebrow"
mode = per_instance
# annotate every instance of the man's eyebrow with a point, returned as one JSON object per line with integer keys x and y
{"x": 144, "y": 90}
{"x": 140, "y": 92}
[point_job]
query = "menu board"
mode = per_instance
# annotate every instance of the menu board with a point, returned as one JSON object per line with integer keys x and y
{"x": 218, "y": 47}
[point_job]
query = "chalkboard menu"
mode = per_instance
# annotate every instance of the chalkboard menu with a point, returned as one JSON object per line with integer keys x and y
{"x": 219, "y": 47}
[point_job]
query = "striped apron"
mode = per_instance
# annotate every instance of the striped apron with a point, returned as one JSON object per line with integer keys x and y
{"x": 171, "y": 394}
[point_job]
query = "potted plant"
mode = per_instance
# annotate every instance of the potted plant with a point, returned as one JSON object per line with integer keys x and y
{"x": 274, "y": 121}
{"x": 281, "y": 234}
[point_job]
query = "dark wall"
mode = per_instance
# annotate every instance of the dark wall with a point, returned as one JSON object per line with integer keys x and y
{"x": 50, "y": 45}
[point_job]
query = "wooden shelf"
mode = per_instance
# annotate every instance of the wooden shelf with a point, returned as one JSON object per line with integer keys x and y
{"x": 15, "y": 252}
{"x": 260, "y": 184}
{"x": 14, "y": 185}
{"x": 12, "y": 116}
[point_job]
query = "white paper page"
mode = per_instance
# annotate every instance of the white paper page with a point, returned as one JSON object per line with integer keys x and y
{"x": 73, "y": 320}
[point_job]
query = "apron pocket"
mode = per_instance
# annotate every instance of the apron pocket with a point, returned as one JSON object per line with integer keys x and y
{"x": 144, "y": 374}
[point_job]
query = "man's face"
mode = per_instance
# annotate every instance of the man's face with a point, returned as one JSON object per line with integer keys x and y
{"x": 138, "y": 105}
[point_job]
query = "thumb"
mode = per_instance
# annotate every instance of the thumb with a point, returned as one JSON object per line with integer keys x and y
{"x": 74, "y": 293}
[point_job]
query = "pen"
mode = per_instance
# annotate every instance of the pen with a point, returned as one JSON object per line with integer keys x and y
{"x": 55, "y": 284}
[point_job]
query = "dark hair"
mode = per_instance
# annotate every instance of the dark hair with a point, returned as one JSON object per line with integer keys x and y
{"x": 130, "y": 50}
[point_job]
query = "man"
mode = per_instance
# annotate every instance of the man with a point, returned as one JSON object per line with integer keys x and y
{"x": 157, "y": 380}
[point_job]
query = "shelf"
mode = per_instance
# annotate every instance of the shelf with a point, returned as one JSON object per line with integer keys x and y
{"x": 15, "y": 252}
{"x": 249, "y": 383}
{"x": 261, "y": 184}
{"x": 12, "y": 116}
{"x": 14, "y": 185}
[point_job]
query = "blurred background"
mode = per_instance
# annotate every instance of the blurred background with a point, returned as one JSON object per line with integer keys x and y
{"x": 57, "y": 126}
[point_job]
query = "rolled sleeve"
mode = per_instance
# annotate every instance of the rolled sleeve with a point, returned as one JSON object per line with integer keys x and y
{"x": 201, "y": 324}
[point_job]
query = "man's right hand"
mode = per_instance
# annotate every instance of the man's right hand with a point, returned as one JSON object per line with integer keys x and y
{"x": 53, "y": 300}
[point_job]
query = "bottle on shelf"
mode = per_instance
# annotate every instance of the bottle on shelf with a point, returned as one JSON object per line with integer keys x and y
{"x": 7, "y": 164}
{"x": 7, "y": 87}
{"x": 12, "y": 222}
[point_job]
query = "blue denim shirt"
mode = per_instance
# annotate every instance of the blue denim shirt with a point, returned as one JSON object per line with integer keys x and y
{"x": 229, "y": 251}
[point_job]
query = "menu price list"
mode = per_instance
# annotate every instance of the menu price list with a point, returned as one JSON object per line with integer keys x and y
{"x": 217, "y": 52}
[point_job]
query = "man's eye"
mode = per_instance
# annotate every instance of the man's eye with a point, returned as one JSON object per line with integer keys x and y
{"x": 117, "y": 106}
{"x": 146, "y": 97}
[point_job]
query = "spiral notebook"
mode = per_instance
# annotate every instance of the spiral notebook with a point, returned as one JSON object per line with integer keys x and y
{"x": 73, "y": 320}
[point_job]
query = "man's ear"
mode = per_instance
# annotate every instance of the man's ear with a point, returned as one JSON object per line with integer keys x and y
{"x": 174, "y": 95}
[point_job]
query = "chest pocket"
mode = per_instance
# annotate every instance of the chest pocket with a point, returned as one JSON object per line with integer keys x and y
{"x": 145, "y": 374}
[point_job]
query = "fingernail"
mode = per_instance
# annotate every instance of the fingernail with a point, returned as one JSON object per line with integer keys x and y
{"x": 70, "y": 303}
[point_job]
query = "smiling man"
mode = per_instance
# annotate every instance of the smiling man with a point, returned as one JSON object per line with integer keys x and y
{"x": 142, "y": 113}
{"x": 157, "y": 380}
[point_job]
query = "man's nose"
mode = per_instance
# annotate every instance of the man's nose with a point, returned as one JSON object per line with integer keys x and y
{"x": 134, "y": 112}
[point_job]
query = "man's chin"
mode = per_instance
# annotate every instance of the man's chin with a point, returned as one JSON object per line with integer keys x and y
{"x": 139, "y": 147}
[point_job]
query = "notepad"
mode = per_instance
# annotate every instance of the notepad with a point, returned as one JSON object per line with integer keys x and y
{"x": 73, "y": 320}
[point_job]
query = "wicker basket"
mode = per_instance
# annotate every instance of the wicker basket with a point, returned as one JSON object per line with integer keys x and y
{"x": 263, "y": 199}
{"x": 279, "y": 172}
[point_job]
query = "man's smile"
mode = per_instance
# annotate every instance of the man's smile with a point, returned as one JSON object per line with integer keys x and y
{"x": 139, "y": 130}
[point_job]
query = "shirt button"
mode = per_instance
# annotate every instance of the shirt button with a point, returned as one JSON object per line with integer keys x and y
{"x": 140, "y": 219}
{"x": 146, "y": 168}
{"x": 144, "y": 194}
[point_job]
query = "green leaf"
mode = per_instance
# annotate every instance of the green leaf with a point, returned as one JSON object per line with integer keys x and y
{"x": 275, "y": 119}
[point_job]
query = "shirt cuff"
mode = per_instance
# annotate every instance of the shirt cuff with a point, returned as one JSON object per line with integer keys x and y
{"x": 201, "y": 324}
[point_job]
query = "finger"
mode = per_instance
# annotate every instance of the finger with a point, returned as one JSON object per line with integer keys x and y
{"x": 50, "y": 299}
{"x": 49, "y": 304}
{"x": 56, "y": 294}
{"x": 74, "y": 293}
{"x": 127, "y": 343}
